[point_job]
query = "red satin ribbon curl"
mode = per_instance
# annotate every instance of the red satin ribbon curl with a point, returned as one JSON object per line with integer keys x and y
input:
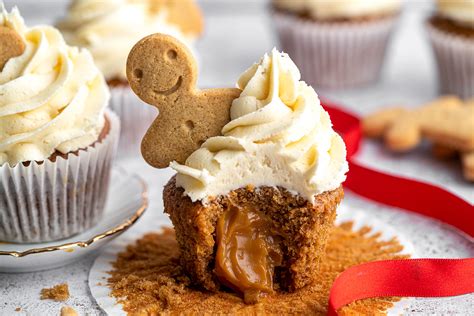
{"x": 409, "y": 277}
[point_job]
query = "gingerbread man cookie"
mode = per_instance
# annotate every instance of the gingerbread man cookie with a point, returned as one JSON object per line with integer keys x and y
{"x": 11, "y": 45}
{"x": 447, "y": 122}
{"x": 162, "y": 72}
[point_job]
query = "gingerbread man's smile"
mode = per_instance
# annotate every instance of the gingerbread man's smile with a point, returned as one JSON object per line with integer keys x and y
{"x": 171, "y": 90}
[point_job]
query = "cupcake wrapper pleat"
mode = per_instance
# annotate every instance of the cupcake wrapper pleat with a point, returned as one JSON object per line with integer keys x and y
{"x": 55, "y": 200}
{"x": 135, "y": 117}
{"x": 335, "y": 55}
{"x": 455, "y": 59}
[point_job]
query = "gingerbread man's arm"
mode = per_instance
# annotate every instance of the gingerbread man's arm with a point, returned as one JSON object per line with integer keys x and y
{"x": 163, "y": 73}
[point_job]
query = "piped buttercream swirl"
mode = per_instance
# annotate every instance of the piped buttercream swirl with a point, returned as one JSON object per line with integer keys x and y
{"x": 110, "y": 28}
{"x": 52, "y": 97}
{"x": 279, "y": 135}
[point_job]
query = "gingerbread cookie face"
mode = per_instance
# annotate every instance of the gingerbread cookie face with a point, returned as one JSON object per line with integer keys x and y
{"x": 162, "y": 72}
{"x": 11, "y": 45}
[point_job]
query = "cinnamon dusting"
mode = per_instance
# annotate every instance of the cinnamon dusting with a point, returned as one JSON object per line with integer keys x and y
{"x": 148, "y": 279}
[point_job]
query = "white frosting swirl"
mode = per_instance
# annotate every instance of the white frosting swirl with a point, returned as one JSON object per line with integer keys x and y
{"x": 52, "y": 97}
{"x": 336, "y": 9}
{"x": 460, "y": 11}
{"x": 110, "y": 28}
{"x": 279, "y": 135}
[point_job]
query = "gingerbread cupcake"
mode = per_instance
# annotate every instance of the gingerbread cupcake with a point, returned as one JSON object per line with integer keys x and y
{"x": 259, "y": 168}
{"x": 336, "y": 44}
{"x": 451, "y": 32}
{"x": 56, "y": 140}
{"x": 109, "y": 29}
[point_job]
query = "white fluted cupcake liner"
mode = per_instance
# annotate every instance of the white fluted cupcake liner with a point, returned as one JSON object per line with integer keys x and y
{"x": 335, "y": 55}
{"x": 54, "y": 200}
{"x": 455, "y": 59}
{"x": 135, "y": 117}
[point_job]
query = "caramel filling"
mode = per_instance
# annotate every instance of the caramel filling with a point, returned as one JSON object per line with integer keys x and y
{"x": 248, "y": 250}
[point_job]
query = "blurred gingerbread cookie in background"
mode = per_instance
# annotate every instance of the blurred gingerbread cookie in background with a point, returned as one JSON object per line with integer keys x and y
{"x": 447, "y": 122}
{"x": 163, "y": 72}
{"x": 109, "y": 29}
{"x": 11, "y": 45}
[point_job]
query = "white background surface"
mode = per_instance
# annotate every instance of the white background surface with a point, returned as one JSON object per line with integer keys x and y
{"x": 237, "y": 34}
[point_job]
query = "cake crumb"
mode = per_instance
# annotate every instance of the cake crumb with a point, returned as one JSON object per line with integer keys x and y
{"x": 18, "y": 309}
{"x": 57, "y": 293}
{"x": 147, "y": 278}
{"x": 68, "y": 311}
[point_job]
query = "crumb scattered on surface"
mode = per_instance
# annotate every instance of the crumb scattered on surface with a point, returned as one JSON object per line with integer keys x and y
{"x": 18, "y": 309}
{"x": 148, "y": 279}
{"x": 68, "y": 311}
{"x": 57, "y": 293}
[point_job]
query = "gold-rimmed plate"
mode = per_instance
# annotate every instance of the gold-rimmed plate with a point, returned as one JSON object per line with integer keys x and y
{"x": 127, "y": 201}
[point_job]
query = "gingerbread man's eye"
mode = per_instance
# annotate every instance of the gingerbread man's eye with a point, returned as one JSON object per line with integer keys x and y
{"x": 189, "y": 125}
{"x": 138, "y": 73}
{"x": 171, "y": 54}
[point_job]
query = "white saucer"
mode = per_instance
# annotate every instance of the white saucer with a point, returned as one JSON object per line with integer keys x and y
{"x": 127, "y": 201}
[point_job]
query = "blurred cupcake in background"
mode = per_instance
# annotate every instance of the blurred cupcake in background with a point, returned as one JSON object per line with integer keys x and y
{"x": 57, "y": 141}
{"x": 451, "y": 32}
{"x": 336, "y": 44}
{"x": 109, "y": 29}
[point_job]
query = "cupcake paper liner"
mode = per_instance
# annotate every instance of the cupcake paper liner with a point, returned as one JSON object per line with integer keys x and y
{"x": 335, "y": 55}
{"x": 135, "y": 118}
{"x": 455, "y": 58}
{"x": 54, "y": 200}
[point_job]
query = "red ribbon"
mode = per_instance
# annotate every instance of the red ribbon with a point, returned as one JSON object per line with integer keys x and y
{"x": 409, "y": 277}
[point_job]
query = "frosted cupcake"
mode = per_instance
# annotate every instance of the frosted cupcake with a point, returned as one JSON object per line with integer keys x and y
{"x": 451, "y": 32}
{"x": 109, "y": 29}
{"x": 253, "y": 208}
{"x": 336, "y": 44}
{"x": 259, "y": 169}
{"x": 56, "y": 140}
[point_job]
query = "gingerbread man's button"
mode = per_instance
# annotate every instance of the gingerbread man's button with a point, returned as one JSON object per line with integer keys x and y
{"x": 163, "y": 72}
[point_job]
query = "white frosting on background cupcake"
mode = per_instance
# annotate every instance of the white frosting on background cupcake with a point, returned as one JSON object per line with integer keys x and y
{"x": 52, "y": 97}
{"x": 336, "y": 9}
{"x": 460, "y": 11}
{"x": 110, "y": 28}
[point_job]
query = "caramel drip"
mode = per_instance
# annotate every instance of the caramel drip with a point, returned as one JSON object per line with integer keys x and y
{"x": 248, "y": 250}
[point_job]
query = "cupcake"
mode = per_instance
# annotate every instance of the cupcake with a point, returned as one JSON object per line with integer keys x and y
{"x": 336, "y": 44}
{"x": 56, "y": 139}
{"x": 109, "y": 29}
{"x": 451, "y": 32}
{"x": 253, "y": 204}
{"x": 253, "y": 208}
